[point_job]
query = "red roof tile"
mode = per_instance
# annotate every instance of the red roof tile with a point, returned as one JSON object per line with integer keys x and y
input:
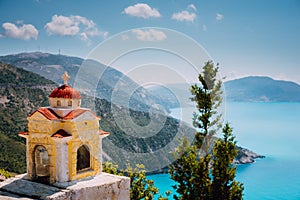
{"x": 74, "y": 113}
{"x": 101, "y": 132}
{"x": 23, "y": 133}
{"x": 65, "y": 91}
{"x": 48, "y": 113}
{"x": 51, "y": 115}
{"x": 61, "y": 134}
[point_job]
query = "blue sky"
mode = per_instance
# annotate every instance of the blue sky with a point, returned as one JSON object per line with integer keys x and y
{"x": 249, "y": 37}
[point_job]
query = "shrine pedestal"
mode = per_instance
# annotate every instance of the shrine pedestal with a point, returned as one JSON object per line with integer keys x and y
{"x": 103, "y": 186}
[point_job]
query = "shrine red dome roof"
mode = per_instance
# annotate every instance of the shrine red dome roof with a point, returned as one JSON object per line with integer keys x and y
{"x": 66, "y": 92}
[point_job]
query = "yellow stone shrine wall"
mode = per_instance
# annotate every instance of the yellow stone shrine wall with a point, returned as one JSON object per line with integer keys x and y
{"x": 84, "y": 131}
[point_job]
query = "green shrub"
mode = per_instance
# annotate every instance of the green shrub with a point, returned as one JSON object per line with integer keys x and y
{"x": 5, "y": 173}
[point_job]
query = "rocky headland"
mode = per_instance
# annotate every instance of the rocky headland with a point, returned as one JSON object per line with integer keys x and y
{"x": 246, "y": 156}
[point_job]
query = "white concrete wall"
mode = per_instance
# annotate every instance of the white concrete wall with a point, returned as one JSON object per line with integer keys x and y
{"x": 64, "y": 102}
{"x": 62, "y": 169}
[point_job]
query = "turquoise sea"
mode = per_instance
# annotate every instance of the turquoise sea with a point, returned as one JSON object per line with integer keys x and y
{"x": 270, "y": 129}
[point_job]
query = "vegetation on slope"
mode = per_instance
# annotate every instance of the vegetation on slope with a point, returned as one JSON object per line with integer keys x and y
{"x": 52, "y": 67}
{"x": 21, "y": 92}
{"x": 199, "y": 173}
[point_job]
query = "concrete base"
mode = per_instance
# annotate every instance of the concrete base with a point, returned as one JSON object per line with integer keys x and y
{"x": 103, "y": 186}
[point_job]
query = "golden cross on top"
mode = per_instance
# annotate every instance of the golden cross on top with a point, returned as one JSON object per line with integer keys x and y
{"x": 65, "y": 77}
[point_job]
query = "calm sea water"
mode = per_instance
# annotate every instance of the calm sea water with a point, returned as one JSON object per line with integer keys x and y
{"x": 273, "y": 130}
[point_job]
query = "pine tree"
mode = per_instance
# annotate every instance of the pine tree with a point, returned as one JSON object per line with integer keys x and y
{"x": 224, "y": 187}
{"x": 208, "y": 97}
{"x": 191, "y": 170}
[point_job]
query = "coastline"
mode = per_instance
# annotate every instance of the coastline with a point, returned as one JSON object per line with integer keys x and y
{"x": 245, "y": 156}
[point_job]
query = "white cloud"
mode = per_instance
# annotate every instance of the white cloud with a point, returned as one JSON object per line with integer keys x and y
{"x": 192, "y": 6}
{"x": 24, "y": 31}
{"x": 204, "y": 27}
{"x": 61, "y": 25}
{"x": 219, "y": 17}
{"x": 149, "y": 35}
{"x": 84, "y": 36}
{"x": 124, "y": 37}
{"x": 142, "y": 10}
{"x": 184, "y": 16}
{"x": 73, "y": 26}
{"x": 105, "y": 34}
{"x": 19, "y": 22}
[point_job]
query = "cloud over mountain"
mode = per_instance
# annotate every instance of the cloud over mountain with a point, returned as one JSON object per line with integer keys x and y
{"x": 73, "y": 26}
{"x": 23, "y": 31}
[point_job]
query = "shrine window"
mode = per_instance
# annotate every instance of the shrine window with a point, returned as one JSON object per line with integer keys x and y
{"x": 41, "y": 163}
{"x": 69, "y": 103}
{"x": 83, "y": 158}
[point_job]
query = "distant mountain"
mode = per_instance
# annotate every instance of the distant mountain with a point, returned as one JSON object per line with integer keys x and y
{"x": 262, "y": 89}
{"x": 47, "y": 65}
{"x": 52, "y": 67}
{"x": 248, "y": 89}
{"x": 177, "y": 95}
{"x": 22, "y": 92}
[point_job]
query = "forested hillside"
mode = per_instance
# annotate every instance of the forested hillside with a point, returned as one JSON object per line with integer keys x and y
{"x": 21, "y": 92}
{"x": 52, "y": 66}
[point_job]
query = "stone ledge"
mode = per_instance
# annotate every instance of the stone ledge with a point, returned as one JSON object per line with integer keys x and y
{"x": 102, "y": 186}
{"x": 9, "y": 196}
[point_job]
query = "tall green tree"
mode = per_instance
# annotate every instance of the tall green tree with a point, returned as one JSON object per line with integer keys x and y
{"x": 223, "y": 171}
{"x": 190, "y": 172}
{"x": 208, "y": 98}
{"x": 192, "y": 168}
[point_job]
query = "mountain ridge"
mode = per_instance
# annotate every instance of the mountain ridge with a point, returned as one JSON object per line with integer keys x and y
{"x": 246, "y": 89}
{"x": 52, "y": 66}
{"x": 20, "y": 97}
{"x": 262, "y": 89}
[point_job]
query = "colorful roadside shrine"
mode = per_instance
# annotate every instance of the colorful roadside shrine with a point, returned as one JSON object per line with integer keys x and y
{"x": 63, "y": 141}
